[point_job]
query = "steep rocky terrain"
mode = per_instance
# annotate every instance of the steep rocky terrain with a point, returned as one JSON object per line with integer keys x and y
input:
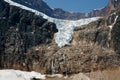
{"x": 27, "y": 42}
{"x": 92, "y": 48}
{"x": 21, "y": 30}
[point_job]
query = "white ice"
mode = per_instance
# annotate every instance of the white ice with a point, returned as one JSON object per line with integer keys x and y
{"x": 19, "y": 75}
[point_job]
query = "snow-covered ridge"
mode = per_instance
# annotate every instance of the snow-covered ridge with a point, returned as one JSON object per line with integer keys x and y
{"x": 65, "y": 27}
{"x": 20, "y": 75}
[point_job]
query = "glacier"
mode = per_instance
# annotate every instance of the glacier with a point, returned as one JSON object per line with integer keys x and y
{"x": 65, "y": 27}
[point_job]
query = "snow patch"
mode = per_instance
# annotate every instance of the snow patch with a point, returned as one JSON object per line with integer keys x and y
{"x": 19, "y": 75}
{"x": 115, "y": 19}
{"x": 27, "y": 3}
{"x": 55, "y": 75}
{"x": 65, "y": 27}
{"x": 98, "y": 8}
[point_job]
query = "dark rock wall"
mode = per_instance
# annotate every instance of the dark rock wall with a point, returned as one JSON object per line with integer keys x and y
{"x": 19, "y": 31}
{"x": 115, "y": 38}
{"x": 97, "y": 32}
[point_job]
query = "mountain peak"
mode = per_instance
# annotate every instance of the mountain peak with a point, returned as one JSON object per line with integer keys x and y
{"x": 41, "y": 6}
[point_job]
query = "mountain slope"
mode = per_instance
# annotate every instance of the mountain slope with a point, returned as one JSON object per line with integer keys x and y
{"x": 41, "y": 6}
{"x": 37, "y": 5}
{"x": 27, "y": 41}
{"x": 65, "y": 27}
{"x": 21, "y": 30}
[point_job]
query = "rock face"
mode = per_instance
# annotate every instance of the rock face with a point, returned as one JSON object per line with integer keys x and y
{"x": 115, "y": 36}
{"x": 21, "y": 30}
{"x": 27, "y": 43}
{"x": 41, "y": 6}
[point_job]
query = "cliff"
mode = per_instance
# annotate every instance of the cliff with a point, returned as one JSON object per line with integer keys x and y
{"x": 20, "y": 30}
